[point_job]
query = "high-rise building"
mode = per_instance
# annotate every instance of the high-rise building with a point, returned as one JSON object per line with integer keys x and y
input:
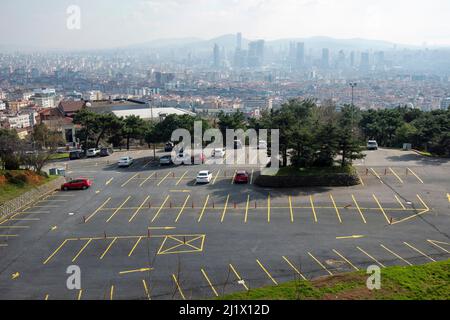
{"x": 325, "y": 58}
{"x": 352, "y": 59}
{"x": 365, "y": 63}
{"x": 239, "y": 41}
{"x": 300, "y": 54}
{"x": 216, "y": 56}
{"x": 256, "y": 53}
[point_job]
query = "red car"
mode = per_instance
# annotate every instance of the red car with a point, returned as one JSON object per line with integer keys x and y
{"x": 77, "y": 184}
{"x": 241, "y": 177}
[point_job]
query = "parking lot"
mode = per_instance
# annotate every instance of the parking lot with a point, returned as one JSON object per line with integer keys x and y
{"x": 151, "y": 232}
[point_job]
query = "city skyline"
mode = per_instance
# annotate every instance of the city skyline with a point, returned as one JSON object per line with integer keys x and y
{"x": 110, "y": 24}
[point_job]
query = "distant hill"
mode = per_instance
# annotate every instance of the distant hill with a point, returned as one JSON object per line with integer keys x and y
{"x": 228, "y": 41}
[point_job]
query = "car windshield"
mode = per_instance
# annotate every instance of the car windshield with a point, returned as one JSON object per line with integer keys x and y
{"x": 123, "y": 159}
{"x": 203, "y": 174}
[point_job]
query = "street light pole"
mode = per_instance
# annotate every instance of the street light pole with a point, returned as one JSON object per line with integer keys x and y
{"x": 353, "y": 86}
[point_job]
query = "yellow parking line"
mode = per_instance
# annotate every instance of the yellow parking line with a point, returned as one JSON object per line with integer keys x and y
{"x": 81, "y": 250}
{"x": 395, "y": 254}
{"x": 399, "y": 202}
{"x": 377, "y": 175}
{"x": 425, "y": 210}
{"x": 415, "y": 175}
{"x": 346, "y": 260}
{"x": 293, "y": 267}
{"x": 163, "y": 179}
{"x": 14, "y": 227}
{"x": 139, "y": 209}
{"x": 268, "y": 208}
{"x": 129, "y": 180}
{"x": 109, "y": 181}
{"x": 320, "y": 264}
{"x": 55, "y": 252}
{"x": 234, "y": 175}
{"x": 209, "y": 282}
{"x": 109, "y": 247}
{"x": 290, "y": 209}
{"x": 336, "y": 208}
{"x": 359, "y": 209}
{"x": 118, "y": 209}
{"x": 381, "y": 208}
{"x": 417, "y": 250}
{"x": 182, "y": 208}
{"x": 46, "y": 297}
{"x": 160, "y": 208}
{"x": 246, "y": 209}
{"x": 178, "y": 286}
{"x": 225, "y": 209}
{"x": 313, "y": 209}
{"x": 360, "y": 179}
{"x": 182, "y": 177}
{"x": 135, "y": 246}
{"x": 267, "y": 272}
{"x": 98, "y": 209}
{"x": 396, "y": 175}
{"x": 204, "y": 208}
{"x": 241, "y": 281}
{"x": 111, "y": 293}
{"x": 80, "y": 293}
{"x": 382, "y": 265}
{"x": 433, "y": 242}
{"x": 423, "y": 202}
{"x": 214, "y": 181}
{"x": 147, "y": 292}
{"x": 146, "y": 179}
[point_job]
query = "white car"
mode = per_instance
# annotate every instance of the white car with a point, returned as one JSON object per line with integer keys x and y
{"x": 93, "y": 152}
{"x": 372, "y": 145}
{"x": 204, "y": 177}
{"x": 262, "y": 145}
{"x": 218, "y": 153}
{"x": 125, "y": 162}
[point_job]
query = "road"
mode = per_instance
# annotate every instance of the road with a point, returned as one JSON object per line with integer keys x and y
{"x": 151, "y": 232}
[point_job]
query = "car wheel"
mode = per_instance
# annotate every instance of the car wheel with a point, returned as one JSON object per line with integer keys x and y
{"x": 84, "y": 187}
{"x": 65, "y": 189}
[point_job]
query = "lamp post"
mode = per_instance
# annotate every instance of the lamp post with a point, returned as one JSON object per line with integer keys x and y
{"x": 353, "y": 86}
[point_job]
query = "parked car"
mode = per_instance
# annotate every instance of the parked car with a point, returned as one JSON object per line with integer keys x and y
{"x": 105, "y": 152}
{"x": 262, "y": 145}
{"x": 185, "y": 158}
{"x": 204, "y": 177}
{"x": 81, "y": 183}
{"x": 372, "y": 145}
{"x": 125, "y": 162}
{"x": 76, "y": 154}
{"x": 241, "y": 177}
{"x": 93, "y": 152}
{"x": 165, "y": 160}
{"x": 168, "y": 147}
{"x": 218, "y": 153}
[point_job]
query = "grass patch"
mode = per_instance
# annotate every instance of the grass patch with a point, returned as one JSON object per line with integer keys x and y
{"x": 425, "y": 282}
{"x": 16, "y": 182}
{"x": 306, "y": 172}
{"x": 59, "y": 156}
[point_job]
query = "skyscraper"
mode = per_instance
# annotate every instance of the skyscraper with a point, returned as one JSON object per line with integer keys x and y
{"x": 216, "y": 56}
{"x": 300, "y": 56}
{"x": 239, "y": 41}
{"x": 365, "y": 64}
{"x": 325, "y": 58}
{"x": 256, "y": 53}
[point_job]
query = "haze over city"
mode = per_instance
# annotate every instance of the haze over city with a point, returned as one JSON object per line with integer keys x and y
{"x": 113, "y": 23}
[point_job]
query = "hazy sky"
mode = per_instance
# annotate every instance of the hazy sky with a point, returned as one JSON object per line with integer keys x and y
{"x": 110, "y": 23}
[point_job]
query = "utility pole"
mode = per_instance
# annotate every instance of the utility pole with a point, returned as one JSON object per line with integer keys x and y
{"x": 353, "y": 86}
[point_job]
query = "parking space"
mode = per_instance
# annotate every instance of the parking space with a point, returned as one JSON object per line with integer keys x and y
{"x": 152, "y": 232}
